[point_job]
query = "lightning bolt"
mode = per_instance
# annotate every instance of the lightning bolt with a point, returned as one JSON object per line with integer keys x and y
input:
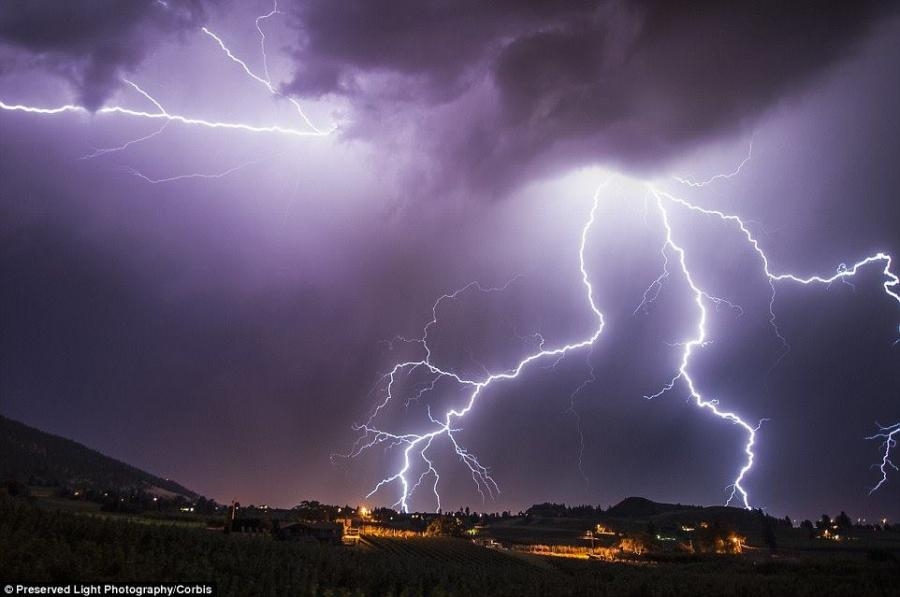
{"x": 265, "y": 81}
{"x": 722, "y": 176}
{"x": 127, "y": 144}
{"x": 262, "y": 38}
{"x": 699, "y": 340}
{"x": 591, "y": 378}
{"x": 843, "y": 272}
{"x": 445, "y": 427}
{"x": 105, "y": 150}
{"x": 889, "y": 443}
{"x": 309, "y": 129}
{"x": 655, "y": 287}
{"x": 164, "y": 116}
{"x": 200, "y": 175}
{"x": 167, "y": 117}
{"x": 417, "y": 445}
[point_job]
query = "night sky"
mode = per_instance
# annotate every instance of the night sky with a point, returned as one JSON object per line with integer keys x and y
{"x": 218, "y": 305}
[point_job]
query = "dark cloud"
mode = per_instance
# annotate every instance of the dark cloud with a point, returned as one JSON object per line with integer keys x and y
{"x": 92, "y": 42}
{"x": 687, "y": 71}
{"x": 569, "y": 81}
{"x": 436, "y": 44}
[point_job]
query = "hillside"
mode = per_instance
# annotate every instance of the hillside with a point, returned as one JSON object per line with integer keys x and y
{"x": 635, "y": 513}
{"x": 31, "y": 456}
{"x": 642, "y": 508}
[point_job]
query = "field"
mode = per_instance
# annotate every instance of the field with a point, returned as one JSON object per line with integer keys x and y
{"x": 43, "y": 544}
{"x": 440, "y": 549}
{"x": 550, "y": 532}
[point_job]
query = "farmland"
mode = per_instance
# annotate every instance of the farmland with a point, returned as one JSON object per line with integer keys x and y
{"x": 444, "y": 550}
{"x": 53, "y": 545}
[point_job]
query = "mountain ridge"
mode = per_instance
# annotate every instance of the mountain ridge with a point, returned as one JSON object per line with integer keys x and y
{"x": 34, "y": 457}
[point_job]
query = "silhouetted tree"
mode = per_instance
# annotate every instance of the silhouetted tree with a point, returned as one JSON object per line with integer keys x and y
{"x": 444, "y": 526}
{"x": 843, "y": 521}
{"x": 768, "y": 535}
{"x": 808, "y": 526}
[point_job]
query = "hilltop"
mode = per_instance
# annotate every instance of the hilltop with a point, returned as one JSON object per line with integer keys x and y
{"x": 34, "y": 457}
{"x": 642, "y": 508}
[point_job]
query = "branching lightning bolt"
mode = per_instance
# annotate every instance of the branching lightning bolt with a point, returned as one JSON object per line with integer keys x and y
{"x": 105, "y": 150}
{"x": 165, "y": 116}
{"x": 127, "y": 144}
{"x": 653, "y": 290}
{"x": 418, "y": 444}
{"x": 262, "y": 38}
{"x": 702, "y": 183}
{"x": 445, "y": 427}
{"x": 309, "y": 130}
{"x": 200, "y": 175}
{"x": 842, "y": 273}
{"x": 265, "y": 81}
{"x": 889, "y": 434}
{"x": 699, "y": 340}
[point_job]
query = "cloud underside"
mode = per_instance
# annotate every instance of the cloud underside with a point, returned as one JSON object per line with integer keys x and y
{"x": 502, "y": 89}
{"x": 92, "y": 43}
{"x": 493, "y": 93}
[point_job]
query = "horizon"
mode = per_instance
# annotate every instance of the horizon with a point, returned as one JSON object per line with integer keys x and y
{"x": 513, "y": 511}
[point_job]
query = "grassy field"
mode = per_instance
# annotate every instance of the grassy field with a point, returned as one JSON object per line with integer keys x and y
{"x": 49, "y": 502}
{"x": 42, "y": 544}
{"x": 444, "y": 550}
{"x": 549, "y": 532}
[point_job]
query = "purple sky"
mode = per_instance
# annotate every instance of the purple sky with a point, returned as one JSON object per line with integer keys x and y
{"x": 228, "y": 331}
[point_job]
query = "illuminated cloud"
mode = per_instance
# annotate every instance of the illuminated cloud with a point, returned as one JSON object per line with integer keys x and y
{"x": 510, "y": 90}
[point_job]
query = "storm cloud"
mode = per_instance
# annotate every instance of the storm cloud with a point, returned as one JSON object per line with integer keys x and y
{"x": 91, "y": 42}
{"x": 505, "y": 91}
{"x": 501, "y": 92}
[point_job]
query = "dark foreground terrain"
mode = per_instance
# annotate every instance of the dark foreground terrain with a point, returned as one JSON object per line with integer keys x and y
{"x": 40, "y": 543}
{"x": 70, "y": 514}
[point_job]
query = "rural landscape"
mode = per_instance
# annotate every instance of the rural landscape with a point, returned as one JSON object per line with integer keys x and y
{"x": 70, "y": 514}
{"x": 433, "y": 298}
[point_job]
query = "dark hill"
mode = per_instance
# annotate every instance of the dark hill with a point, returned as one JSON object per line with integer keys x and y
{"x": 31, "y": 456}
{"x": 637, "y": 513}
{"x": 642, "y": 508}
